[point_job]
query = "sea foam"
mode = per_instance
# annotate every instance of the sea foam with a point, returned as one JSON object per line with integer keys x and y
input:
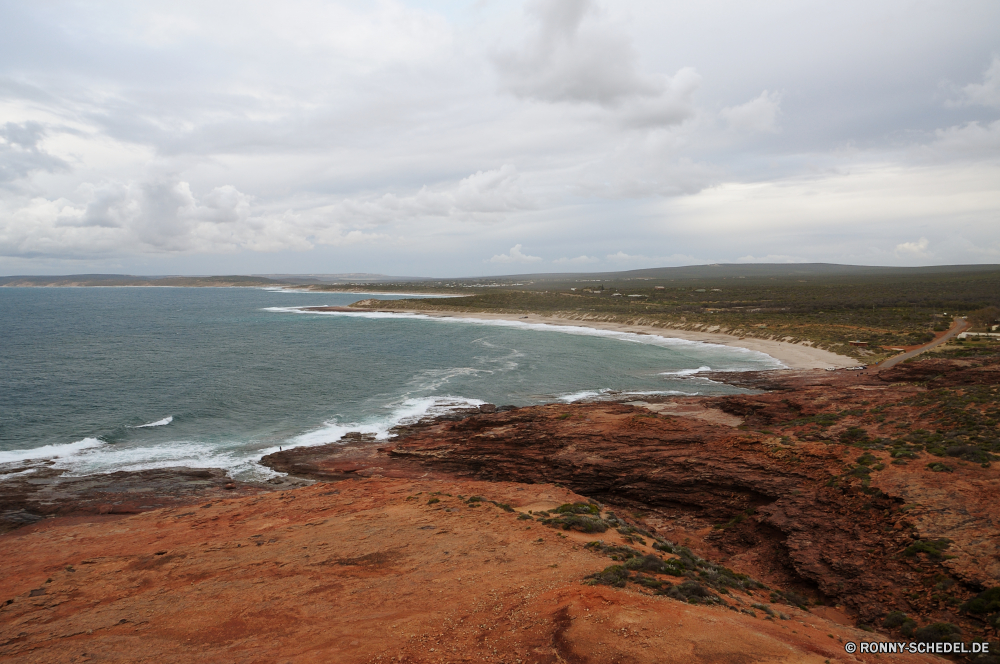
{"x": 51, "y": 451}
{"x": 158, "y": 423}
{"x": 407, "y": 412}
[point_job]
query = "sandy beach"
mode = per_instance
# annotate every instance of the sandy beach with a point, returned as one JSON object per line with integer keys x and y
{"x": 794, "y": 356}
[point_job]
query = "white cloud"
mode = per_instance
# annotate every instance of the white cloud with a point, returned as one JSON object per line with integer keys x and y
{"x": 970, "y": 139}
{"x": 515, "y": 255}
{"x": 757, "y": 115}
{"x": 986, "y": 93}
{"x": 621, "y": 256}
{"x": 570, "y": 59}
{"x": 164, "y": 215}
{"x": 579, "y": 260}
{"x": 914, "y": 249}
{"x": 573, "y": 56}
{"x": 482, "y": 196}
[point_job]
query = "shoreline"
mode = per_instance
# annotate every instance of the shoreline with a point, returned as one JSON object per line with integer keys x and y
{"x": 793, "y": 356}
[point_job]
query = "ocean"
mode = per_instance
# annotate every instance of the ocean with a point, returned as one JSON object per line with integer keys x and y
{"x": 96, "y": 380}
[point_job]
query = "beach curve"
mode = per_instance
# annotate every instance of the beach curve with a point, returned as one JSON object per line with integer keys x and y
{"x": 793, "y": 356}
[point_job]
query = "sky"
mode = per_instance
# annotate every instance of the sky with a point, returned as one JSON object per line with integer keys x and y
{"x": 459, "y": 138}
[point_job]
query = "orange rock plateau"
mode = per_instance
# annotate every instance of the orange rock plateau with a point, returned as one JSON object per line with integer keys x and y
{"x": 773, "y": 526}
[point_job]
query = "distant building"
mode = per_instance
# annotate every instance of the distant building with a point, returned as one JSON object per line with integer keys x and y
{"x": 862, "y": 344}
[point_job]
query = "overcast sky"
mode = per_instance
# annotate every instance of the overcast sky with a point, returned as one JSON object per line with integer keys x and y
{"x": 455, "y": 138}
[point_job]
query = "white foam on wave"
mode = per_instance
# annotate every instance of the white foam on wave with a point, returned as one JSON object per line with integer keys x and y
{"x": 578, "y": 330}
{"x": 237, "y": 461}
{"x": 91, "y": 456}
{"x": 608, "y": 394}
{"x": 158, "y": 423}
{"x": 19, "y": 473}
{"x": 685, "y": 372}
{"x": 62, "y": 451}
{"x": 407, "y": 412}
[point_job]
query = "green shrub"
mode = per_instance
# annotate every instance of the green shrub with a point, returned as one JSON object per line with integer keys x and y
{"x": 614, "y": 551}
{"x": 577, "y": 508}
{"x": 765, "y": 608}
{"x": 894, "y": 619}
{"x": 985, "y": 602}
{"x": 938, "y": 467}
{"x": 578, "y": 522}
{"x": 853, "y": 436}
{"x": 692, "y": 592}
{"x": 615, "y": 575}
{"x": 866, "y": 459}
{"x": 933, "y": 548}
{"x": 908, "y": 628}
{"x": 938, "y": 633}
{"x": 651, "y": 563}
{"x": 649, "y": 582}
{"x": 432, "y": 501}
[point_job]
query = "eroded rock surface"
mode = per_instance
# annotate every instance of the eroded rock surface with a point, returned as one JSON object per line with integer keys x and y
{"x": 377, "y": 570}
{"x": 824, "y": 488}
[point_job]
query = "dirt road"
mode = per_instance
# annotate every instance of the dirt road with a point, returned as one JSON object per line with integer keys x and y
{"x": 957, "y": 326}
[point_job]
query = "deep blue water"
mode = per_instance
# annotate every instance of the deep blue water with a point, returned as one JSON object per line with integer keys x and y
{"x": 229, "y": 374}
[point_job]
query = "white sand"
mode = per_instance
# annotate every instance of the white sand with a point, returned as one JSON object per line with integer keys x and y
{"x": 794, "y": 356}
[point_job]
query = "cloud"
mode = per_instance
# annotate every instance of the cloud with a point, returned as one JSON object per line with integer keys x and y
{"x": 20, "y": 153}
{"x": 673, "y": 105}
{"x": 164, "y": 215}
{"x": 578, "y": 260}
{"x": 565, "y": 60}
{"x": 482, "y": 196}
{"x": 968, "y": 140}
{"x": 572, "y": 56}
{"x": 403, "y": 136}
{"x": 914, "y": 249}
{"x": 986, "y": 93}
{"x": 758, "y": 115}
{"x": 621, "y": 256}
{"x": 515, "y": 255}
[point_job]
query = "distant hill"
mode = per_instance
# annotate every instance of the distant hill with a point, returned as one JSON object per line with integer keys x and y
{"x": 717, "y": 271}
{"x": 131, "y": 280}
{"x": 751, "y": 270}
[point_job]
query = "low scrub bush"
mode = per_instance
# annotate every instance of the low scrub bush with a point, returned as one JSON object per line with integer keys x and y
{"x": 985, "y": 602}
{"x": 615, "y": 576}
{"x": 584, "y": 524}
{"x": 933, "y": 548}
{"x": 692, "y": 592}
{"x": 938, "y": 633}
{"x": 577, "y": 508}
{"x": 894, "y": 620}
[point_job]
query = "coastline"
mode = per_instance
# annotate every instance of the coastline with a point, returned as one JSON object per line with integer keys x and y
{"x": 793, "y": 356}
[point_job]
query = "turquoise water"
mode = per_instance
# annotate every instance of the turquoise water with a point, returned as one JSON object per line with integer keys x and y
{"x": 105, "y": 379}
